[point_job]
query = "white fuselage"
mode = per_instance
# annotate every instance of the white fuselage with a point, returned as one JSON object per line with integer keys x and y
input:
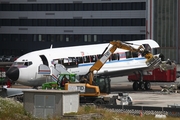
{"x": 28, "y": 64}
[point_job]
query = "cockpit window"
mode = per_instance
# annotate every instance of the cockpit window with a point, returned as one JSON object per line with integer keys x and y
{"x": 28, "y": 63}
{"x": 18, "y": 63}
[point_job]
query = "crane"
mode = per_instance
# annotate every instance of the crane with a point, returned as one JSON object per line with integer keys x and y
{"x": 94, "y": 87}
{"x": 100, "y": 62}
{"x": 117, "y": 44}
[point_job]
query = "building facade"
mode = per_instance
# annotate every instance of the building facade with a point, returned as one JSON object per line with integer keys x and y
{"x": 36, "y": 24}
{"x": 163, "y": 27}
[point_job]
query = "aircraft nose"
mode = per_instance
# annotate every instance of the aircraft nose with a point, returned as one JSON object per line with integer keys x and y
{"x": 13, "y": 73}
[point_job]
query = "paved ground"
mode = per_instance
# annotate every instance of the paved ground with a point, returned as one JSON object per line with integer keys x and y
{"x": 152, "y": 97}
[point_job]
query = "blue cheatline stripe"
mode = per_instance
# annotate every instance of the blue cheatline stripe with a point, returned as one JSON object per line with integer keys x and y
{"x": 47, "y": 73}
{"x": 114, "y": 61}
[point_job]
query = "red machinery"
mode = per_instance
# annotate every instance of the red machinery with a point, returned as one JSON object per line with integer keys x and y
{"x": 156, "y": 76}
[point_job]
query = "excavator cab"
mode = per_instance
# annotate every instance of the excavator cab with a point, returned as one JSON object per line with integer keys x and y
{"x": 104, "y": 84}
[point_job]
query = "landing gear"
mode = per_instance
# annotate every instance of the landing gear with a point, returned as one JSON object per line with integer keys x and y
{"x": 141, "y": 84}
{"x": 135, "y": 86}
{"x": 147, "y": 85}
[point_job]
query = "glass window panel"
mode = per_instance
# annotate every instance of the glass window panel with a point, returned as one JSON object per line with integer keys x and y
{"x": 95, "y": 38}
{"x": 15, "y": 7}
{"x": 30, "y": 37}
{"x": 14, "y": 37}
{"x": 97, "y": 22}
{"x": 89, "y": 38}
{"x": 106, "y": 38}
{"x": 87, "y": 6}
{"x": 59, "y": 38}
{"x": 34, "y": 7}
{"x": 106, "y": 22}
{"x": 78, "y": 7}
{"x": 78, "y": 38}
{"x": 69, "y": 7}
{"x": 78, "y": 22}
{"x": 69, "y": 22}
{"x": 99, "y": 38}
{"x": 23, "y": 37}
{"x": 88, "y": 22}
{"x": 97, "y": 6}
{"x": 85, "y": 38}
{"x": 34, "y": 22}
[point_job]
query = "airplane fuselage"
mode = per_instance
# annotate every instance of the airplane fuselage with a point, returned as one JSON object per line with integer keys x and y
{"x": 77, "y": 60}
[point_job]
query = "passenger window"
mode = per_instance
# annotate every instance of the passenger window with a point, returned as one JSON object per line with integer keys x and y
{"x": 128, "y": 54}
{"x": 98, "y": 56}
{"x": 134, "y": 54}
{"x": 80, "y": 60}
{"x": 122, "y": 55}
{"x": 68, "y": 62}
{"x": 86, "y": 59}
{"x": 115, "y": 56}
{"x": 93, "y": 58}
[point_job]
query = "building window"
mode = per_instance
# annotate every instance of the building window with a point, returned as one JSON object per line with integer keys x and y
{"x": 40, "y": 38}
{"x": 95, "y": 38}
{"x": 59, "y": 38}
{"x": 74, "y": 6}
{"x": 85, "y": 38}
{"x": 14, "y": 37}
{"x": 73, "y": 22}
{"x": 89, "y": 38}
{"x": 78, "y": 38}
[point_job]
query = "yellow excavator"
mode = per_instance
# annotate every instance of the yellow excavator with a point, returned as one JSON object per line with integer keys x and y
{"x": 91, "y": 87}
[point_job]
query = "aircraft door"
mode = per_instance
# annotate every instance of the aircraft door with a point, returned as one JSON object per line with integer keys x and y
{"x": 44, "y": 60}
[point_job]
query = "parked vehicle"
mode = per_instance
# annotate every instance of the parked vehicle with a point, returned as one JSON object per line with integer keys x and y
{"x": 9, "y": 58}
{"x": 2, "y": 57}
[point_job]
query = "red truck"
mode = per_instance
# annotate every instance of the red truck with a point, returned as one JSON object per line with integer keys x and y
{"x": 156, "y": 76}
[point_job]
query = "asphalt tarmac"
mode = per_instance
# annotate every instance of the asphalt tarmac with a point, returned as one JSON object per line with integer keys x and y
{"x": 153, "y": 97}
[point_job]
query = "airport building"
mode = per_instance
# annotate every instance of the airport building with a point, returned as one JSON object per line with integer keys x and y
{"x": 165, "y": 24}
{"x": 27, "y": 25}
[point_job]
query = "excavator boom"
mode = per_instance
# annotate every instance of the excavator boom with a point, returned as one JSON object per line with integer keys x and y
{"x": 116, "y": 44}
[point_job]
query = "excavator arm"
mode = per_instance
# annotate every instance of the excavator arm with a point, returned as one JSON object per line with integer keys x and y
{"x": 105, "y": 56}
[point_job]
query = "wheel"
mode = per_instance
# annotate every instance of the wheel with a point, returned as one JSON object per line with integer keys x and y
{"x": 98, "y": 102}
{"x": 141, "y": 85}
{"x": 147, "y": 85}
{"x": 135, "y": 86}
